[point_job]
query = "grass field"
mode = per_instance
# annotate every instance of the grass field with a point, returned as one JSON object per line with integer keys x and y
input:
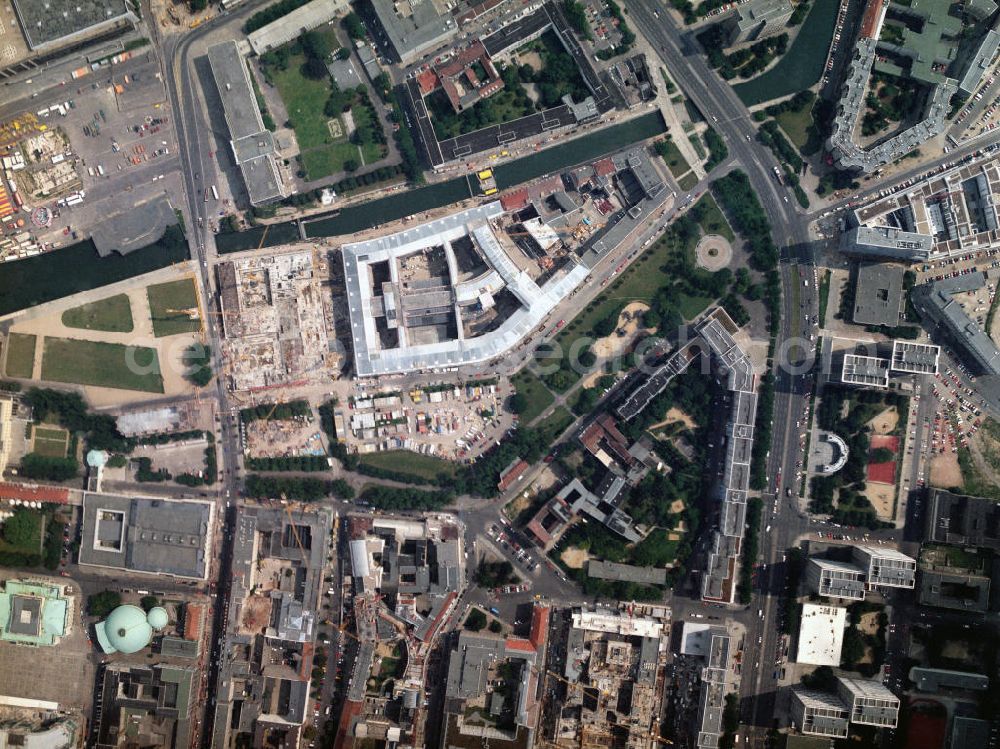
{"x": 50, "y": 441}
{"x": 556, "y": 422}
{"x": 800, "y": 129}
{"x": 688, "y": 181}
{"x": 112, "y": 315}
{"x": 404, "y": 461}
{"x": 20, "y": 355}
{"x": 305, "y": 100}
{"x": 169, "y": 304}
{"x": 714, "y": 221}
{"x": 672, "y": 156}
{"x": 692, "y": 306}
{"x": 101, "y": 365}
{"x": 640, "y": 281}
{"x": 802, "y": 64}
{"x": 28, "y": 548}
{"x": 539, "y": 397}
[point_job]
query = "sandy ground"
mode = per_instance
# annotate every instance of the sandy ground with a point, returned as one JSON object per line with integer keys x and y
{"x": 713, "y": 252}
{"x": 574, "y": 557}
{"x": 170, "y": 349}
{"x": 614, "y": 344}
{"x": 945, "y": 471}
{"x": 881, "y": 497}
{"x": 869, "y": 623}
{"x": 885, "y": 422}
{"x": 677, "y": 506}
{"x": 674, "y": 536}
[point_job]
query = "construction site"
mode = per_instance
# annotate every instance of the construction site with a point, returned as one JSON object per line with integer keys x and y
{"x": 613, "y": 677}
{"x": 275, "y": 322}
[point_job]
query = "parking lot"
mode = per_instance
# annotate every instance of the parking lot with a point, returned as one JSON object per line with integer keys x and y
{"x": 120, "y": 141}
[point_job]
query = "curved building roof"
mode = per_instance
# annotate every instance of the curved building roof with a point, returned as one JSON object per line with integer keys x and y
{"x": 128, "y": 629}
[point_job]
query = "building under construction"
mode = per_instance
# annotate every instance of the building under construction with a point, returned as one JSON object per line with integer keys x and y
{"x": 272, "y": 321}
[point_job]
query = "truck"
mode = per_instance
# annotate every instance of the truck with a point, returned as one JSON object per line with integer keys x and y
{"x": 494, "y": 612}
{"x": 215, "y": 192}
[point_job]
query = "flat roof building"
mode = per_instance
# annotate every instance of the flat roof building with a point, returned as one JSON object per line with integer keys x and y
{"x": 887, "y": 242}
{"x": 865, "y": 371}
{"x": 878, "y": 293}
{"x": 954, "y": 590}
{"x": 885, "y": 567}
{"x": 626, "y": 572}
{"x": 152, "y": 536}
{"x": 966, "y": 732}
{"x": 962, "y": 520}
{"x": 154, "y": 702}
{"x": 936, "y": 304}
{"x": 915, "y": 358}
{"x": 835, "y": 579}
{"x": 252, "y": 144}
{"x": 293, "y": 25}
{"x": 413, "y": 27}
{"x": 757, "y": 19}
{"x": 819, "y": 713}
{"x": 57, "y": 23}
{"x": 870, "y": 702}
{"x": 936, "y": 679}
{"x": 821, "y": 634}
{"x": 34, "y": 612}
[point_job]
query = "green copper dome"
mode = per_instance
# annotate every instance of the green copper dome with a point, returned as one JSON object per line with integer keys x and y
{"x": 157, "y": 617}
{"x": 126, "y": 630}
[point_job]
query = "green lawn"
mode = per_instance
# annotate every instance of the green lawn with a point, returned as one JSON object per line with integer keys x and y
{"x": 50, "y": 441}
{"x": 35, "y": 546}
{"x": 169, "y": 306}
{"x": 101, "y": 364}
{"x": 113, "y": 315}
{"x": 714, "y": 221}
{"x": 539, "y": 397}
{"x": 672, "y": 156}
{"x": 798, "y": 126}
{"x": 692, "y": 306}
{"x": 404, "y": 461}
{"x": 688, "y": 181}
{"x": 556, "y": 422}
{"x": 20, "y": 355}
{"x": 305, "y": 99}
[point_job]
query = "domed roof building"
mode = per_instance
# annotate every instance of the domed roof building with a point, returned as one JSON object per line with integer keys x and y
{"x": 128, "y": 629}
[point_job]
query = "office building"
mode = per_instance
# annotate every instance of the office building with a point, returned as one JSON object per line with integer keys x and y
{"x": 757, "y": 19}
{"x": 835, "y": 579}
{"x": 885, "y": 567}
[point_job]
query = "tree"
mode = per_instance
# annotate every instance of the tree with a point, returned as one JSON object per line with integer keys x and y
{"x": 343, "y": 53}
{"x": 496, "y": 627}
{"x": 351, "y": 165}
{"x": 518, "y": 403}
{"x": 315, "y": 44}
{"x": 21, "y": 529}
{"x": 475, "y": 621}
{"x": 314, "y": 68}
{"x": 149, "y": 602}
{"x": 197, "y": 358}
{"x": 853, "y": 649}
{"x": 352, "y": 23}
{"x": 103, "y": 603}
{"x": 198, "y": 5}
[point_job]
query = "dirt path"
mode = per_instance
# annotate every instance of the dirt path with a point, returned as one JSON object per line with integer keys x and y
{"x": 885, "y": 422}
{"x": 614, "y": 344}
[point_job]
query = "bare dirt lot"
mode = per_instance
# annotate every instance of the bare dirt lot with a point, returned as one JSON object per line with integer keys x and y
{"x": 885, "y": 422}
{"x": 628, "y": 322}
{"x": 945, "y": 471}
{"x": 574, "y": 557}
{"x": 882, "y": 498}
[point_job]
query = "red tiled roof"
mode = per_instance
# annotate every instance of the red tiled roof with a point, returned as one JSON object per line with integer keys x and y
{"x": 427, "y": 81}
{"x": 33, "y": 492}
{"x": 869, "y": 22}
{"x": 512, "y": 474}
{"x": 514, "y": 201}
{"x": 604, "y": 167}
{"x": 516, "y": 643}
{"x": 539, "y": 626}
{"x": 194, "y": 615}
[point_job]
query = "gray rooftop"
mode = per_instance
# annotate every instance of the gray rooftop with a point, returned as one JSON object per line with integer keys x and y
{"x": 252, "y": 144}
{"x": 155, "y": 536}
{"x": 55, "y": 22}
{"x": 872, "y": 371}
{"x": 963, "y": 520}
{"x": 413, "y": 27}
{"x": 628, "y": 572}
{"x": 294, "y": 24}
{"x": 887, "y": 241}
{"x": 934, "y": 301}
{"x": 878, "y": 292}
{"x": 936, "y": 679}
{"x": 469, "y": 665}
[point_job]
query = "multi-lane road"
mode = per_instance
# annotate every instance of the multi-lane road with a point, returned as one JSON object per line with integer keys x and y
{"x": 730, "y": 118}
